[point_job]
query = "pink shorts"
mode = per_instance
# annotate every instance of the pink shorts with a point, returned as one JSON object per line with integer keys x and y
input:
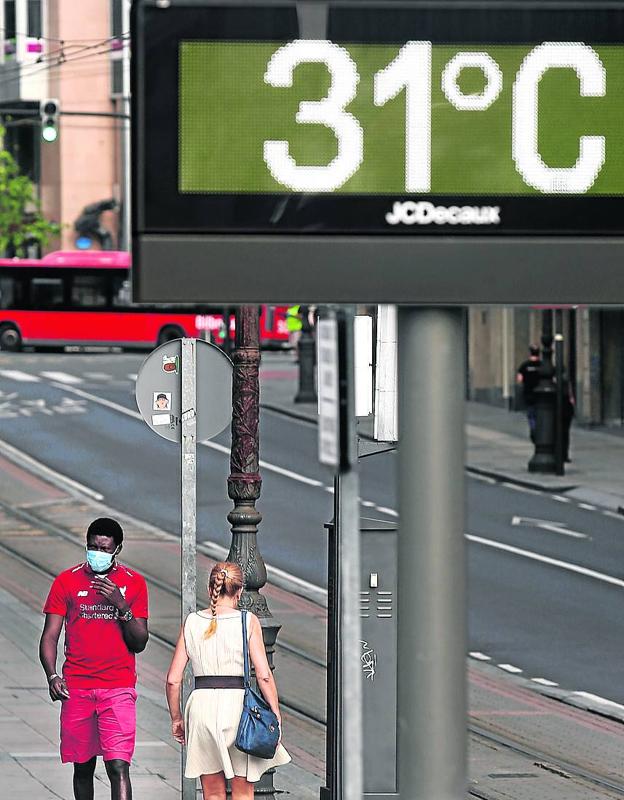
{"x": 98, "y": 722}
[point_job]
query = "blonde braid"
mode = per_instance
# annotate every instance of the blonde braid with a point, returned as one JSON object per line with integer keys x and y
{"x": 214, "y": 597}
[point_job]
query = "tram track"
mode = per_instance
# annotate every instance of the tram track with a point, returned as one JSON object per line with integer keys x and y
{"x": 35, "y": 520}
{"x": 542, "y": 758}
{"x": 546, "y": 761}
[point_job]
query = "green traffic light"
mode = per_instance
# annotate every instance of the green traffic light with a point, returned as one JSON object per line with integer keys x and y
{"x": 49, "y": 133}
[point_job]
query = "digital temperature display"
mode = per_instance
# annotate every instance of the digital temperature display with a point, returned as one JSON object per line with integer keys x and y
{"x": 439, "y": 151}
{"x": 317, "y": 116}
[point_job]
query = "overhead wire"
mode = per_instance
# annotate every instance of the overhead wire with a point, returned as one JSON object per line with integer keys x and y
{"x": 16, "y": 34}
{"x": 59, "y": 58}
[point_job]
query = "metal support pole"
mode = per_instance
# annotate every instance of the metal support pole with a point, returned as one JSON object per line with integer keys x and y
{"x": 125, "y": 221}
{"x": 347, "y": 520}
{"x": 431, "y": 556}
{"x": 559, "y": 376}
{"x": 543, "y": 459}
{"x": 244, "y": 484}
{"x": 306, "y": 350}
{"x": 189, "y": 516}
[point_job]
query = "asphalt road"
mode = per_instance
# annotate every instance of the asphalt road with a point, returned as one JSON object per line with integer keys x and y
{"x": 546, "y": 576}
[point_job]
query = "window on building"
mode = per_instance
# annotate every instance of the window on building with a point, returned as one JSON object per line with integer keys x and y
{"x": 9, "y": 19}
{"x": 34, "y": 19}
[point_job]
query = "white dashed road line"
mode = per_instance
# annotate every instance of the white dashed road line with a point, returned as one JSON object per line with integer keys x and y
{"x": 544, "y": 682}
{"x": 554, "y": 562}
{"x": 510, "y": 668}
{"x": 17, "y": 375}
{"x": 479, "y": 656}
{"x": 62, "y": 377}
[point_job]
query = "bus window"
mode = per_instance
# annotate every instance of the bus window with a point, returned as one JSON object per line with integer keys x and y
{"x": 121, "y": 291}
{"x": 89, "y": 291}
{"x": 11, "y": 293}
{"x": 46, "y": 293}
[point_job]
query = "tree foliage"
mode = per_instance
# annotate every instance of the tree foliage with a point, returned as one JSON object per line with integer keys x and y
{"x": 21, "y": 220}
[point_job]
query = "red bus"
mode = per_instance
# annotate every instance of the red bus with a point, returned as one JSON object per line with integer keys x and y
{"x": 81, "y": 299}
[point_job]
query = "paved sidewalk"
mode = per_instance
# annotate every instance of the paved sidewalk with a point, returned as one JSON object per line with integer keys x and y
{"x": 497, "y": 442}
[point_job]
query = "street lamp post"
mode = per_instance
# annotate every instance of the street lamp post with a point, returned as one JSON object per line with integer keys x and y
{"x": 543, "y": 459}
{"x": 306, "y": 349}
{"x": 244, "y": 484}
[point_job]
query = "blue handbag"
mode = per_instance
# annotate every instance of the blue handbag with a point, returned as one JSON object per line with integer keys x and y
{"x": 258, "y": 730}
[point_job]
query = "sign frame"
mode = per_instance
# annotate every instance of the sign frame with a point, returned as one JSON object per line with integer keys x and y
{"x": 444, "y": 269}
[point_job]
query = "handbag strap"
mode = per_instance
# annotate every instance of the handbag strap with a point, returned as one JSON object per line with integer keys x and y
{"x": 245, "y": 648}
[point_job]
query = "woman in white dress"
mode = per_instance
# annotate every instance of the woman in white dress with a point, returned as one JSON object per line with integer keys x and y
{"x": 213, "y": 641}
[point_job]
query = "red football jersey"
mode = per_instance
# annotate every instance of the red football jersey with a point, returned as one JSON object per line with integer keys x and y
{"x": 96, "y": 655}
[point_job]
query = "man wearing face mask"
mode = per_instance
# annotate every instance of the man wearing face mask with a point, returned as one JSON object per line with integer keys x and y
{"x": 103, "y": 605}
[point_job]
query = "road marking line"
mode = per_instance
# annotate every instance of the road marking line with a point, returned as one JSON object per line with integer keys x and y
{"x": 132, "y": 376}
{"x": 56, "y": 478}
{"x": 547, "y": 525}
{"x": 587, "y": 506}
{"x": 614, "y": 515}
{"x": 287, "y": 473}
{"x": 510, "y": 668}
{"x": 368, "y": 503}
{"x": 516, "y": 487}
{"x": 389, "y": 511}
{"x": 100, "y": 400}
{"x": 600, "y": 700}
{"x": 17, "y": 375}
{"x": 484, "y": 478}
{"x": 62, "y": 377}
{"x": 544, "y": 682}
{"x": 554, "y": 562}
{"x": 479, "y": 656}
{"x": 561, "y": 499}
{"x": 98, "y": 376}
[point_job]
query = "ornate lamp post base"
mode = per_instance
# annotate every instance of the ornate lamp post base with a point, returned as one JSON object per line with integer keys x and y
{"x": 244, "y": 485}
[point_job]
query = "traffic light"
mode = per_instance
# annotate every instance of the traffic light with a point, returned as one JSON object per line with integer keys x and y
{"x": 49, "y": 111}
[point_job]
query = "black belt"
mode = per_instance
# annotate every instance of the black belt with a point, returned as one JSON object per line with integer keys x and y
{"x": 219, "y": 682}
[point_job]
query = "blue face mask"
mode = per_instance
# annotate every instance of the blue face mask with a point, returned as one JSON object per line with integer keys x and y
{"x": 99, "y": 561}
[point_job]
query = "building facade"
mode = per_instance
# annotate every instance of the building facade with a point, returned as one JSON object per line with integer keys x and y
{"x": 593, "y": 356}
{"x": 72, "y": 53}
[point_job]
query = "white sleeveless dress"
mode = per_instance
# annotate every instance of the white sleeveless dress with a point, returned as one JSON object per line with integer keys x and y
{"x": 211, "y": 716}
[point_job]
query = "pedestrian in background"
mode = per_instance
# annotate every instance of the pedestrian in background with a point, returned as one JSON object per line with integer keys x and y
{"x": 569, "y": 407}
{"x": 527, "y": 377}
{"x": 103, "y": 606}
{"x": 213, "y": 641}
{"x": 294, "y": 324}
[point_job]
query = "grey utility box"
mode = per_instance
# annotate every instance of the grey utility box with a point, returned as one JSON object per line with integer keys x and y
{"x": 378, "y": 613}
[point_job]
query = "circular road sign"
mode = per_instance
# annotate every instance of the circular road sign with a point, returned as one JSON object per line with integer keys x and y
{"x": 159, "y": 390}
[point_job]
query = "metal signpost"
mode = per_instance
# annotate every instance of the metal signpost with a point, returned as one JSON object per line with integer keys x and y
{"x": 338, "y": 450}
{"x": 174, "y": 382}
{"x": 424, "y": 152}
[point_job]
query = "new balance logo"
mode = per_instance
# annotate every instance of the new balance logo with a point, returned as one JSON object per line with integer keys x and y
{"x": 82, "y": 593}
{"x": 424, "y": 213}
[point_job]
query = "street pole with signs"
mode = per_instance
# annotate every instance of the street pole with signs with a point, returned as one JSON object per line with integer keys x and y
{"x": 171, "y": 388}
{"x": 432, "y": 624}
{"x": 338, "y": 450}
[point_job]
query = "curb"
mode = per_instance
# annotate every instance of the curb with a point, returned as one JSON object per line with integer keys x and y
{"x": 503, "y": 477}
{"x": 500, "y": 477}
{"x": 581, "y": 700}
